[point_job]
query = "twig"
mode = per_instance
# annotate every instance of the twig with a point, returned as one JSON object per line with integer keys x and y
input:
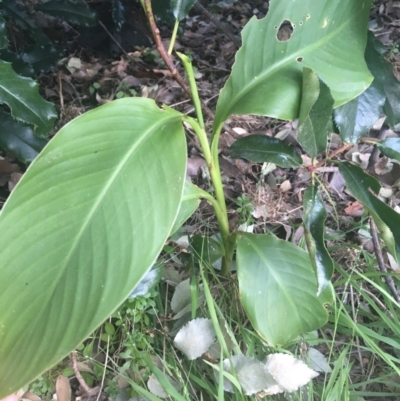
{"x": 112, "y": 38}
{"x": 160, "y": 47}
{"x": 164, "y": 55}
{"x": 373, "y": 159}
{"x": 105, "y": 368}
{"x": 381, "y": 262}
{"x": 334, "y": 153}
{"x": 218, "y": 24}
{"x": 78, "y": 375}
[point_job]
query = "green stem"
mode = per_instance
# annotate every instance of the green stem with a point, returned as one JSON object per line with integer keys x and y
{"x": 218, "y": 203}
{"x": 187, "y": 63}
{"x": 229, "y": 240}
{"x": 173, "y": 37}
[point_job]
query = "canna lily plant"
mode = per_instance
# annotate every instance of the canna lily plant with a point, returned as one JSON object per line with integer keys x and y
{"x": 92, "y": 213}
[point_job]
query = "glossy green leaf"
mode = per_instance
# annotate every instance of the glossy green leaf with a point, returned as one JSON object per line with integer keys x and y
{"x": 74, "y": 13}
{"x": 180, "y": 8}
{"x": 356, "y": 118}
{"x": 207, "y": 249}
{"x": 21, "y": 95}
{"x": 19, "y": 16}
{"x": 190, "y": 202}
{"x": 390, "y": 147}
{"x": 18, "y": 139}
{"x": 119, "y": 14}
{"x": 163, "y": 10}
{"x": 42, "y": 56}
{"x": 81, "y": 229}
{"x": 3, "y": 33}
{"x": 329, "y": 37}
{"x": 18, "y": 64}
{"x": 262, "y": 148}
{"x": 391, "y": 86}
{"x": 315, "y": 113}
{"x": 314, "y": 217}
{"x": 278, "y": 288}
{"x": 387, "y": 220}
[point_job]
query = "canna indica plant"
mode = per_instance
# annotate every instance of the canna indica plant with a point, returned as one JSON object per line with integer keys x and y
{"x": 93, "y": 211}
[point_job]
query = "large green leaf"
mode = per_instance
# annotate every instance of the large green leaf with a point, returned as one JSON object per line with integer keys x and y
{"x": 387, "y": 220}
{"x": 82, "y": 228}
{"x": 278, "y": 288}
{"x": 314, "y": 217}
{"x": 21, "y": 95}
{"x": 356, "y": 118}
{"x": 190, "y": 202}
{"x": 315, "y": 113}
{"x": 329, "y": 37}
{"x": 262, "y": 148}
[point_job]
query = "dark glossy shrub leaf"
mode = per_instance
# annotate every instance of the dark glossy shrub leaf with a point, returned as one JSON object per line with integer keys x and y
{"x": 262, "y": 148}
{"x": 42, "y": 56}
{"x": 387, "y": 220}
{"x": 356, "y": 118}
{"x": 18, "y": 64}
{"x": 314, "y": 222}
{"x": 19, "y": 17}
{"x": 118, "y": 14}
{"x": 163, "y": 10}
{"x": 315, "y": 113}
{"x": 22, "y": 96}
{"x": 3, "y": 34}
{"x": 18, "y": 139}
{"x": 74, "y": 13}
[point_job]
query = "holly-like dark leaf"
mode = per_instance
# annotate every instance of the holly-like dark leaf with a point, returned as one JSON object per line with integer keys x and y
{"x": 18, "y": 64}
{"x": 118, "y": 14}
{"x": 163, "y": 10}
{"x": 262, "y": 148}
{"x": 22, "y": 96}
{"x": 356, "y": 118}
{"x": 314, "y": 221}
{"x": 42, "y": 56}
{"x": 390, "y": 147}
{"x": 18, "y": 139}
{"x": 315, "y": 112}
{"x": 3, "y": 34}
{"x": 387, "y": 220}
{"x": 19, "y": 17}
{"x": 74, "y": 13}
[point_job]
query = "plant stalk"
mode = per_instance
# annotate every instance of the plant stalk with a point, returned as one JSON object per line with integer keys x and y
{"x": 211, "y": 157}
{"x": 173, "y": 37}
{"x": 219, "y": 208}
